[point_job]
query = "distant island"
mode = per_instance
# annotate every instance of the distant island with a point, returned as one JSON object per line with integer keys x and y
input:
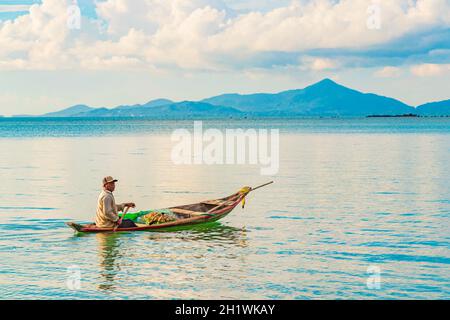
{"x": 409, "y": 115}
{"x": 325, "y": 98}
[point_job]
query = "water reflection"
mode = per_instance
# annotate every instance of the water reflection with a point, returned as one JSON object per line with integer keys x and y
{"x": 213, "y": 232}
{"x": 145, "y": 251}
{"x": 108, "y": 252}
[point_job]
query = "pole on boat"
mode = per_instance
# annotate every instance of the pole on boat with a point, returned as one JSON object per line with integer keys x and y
{"x": 263, "y": 185}
{"x": 120, "y": 219}
{"x": 246, "y": 192}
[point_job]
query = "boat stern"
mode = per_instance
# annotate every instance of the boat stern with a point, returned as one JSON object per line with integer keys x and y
{"x": 76, "y": 227}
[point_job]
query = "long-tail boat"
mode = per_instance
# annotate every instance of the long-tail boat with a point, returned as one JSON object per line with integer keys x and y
{"x": 191, "y": 214}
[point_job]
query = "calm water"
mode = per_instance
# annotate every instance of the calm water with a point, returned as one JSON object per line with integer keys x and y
{"x": 350, "y": 195}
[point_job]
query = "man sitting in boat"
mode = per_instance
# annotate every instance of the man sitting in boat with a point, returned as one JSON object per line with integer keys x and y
{"x": 107, "y": 208}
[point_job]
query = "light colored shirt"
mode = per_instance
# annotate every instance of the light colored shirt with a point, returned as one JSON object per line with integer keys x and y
{"x": 107, "y": 210}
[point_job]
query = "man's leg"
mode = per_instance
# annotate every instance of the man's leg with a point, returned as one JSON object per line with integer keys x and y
{"x": 127, "y": 223}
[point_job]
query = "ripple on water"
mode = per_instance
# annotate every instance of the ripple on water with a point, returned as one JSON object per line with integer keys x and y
{"x": 287, "y": 217}
{"x": 27, "y": 208}
{"x": 383, "y": 258}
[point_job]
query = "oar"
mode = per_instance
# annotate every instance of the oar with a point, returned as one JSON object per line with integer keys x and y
{"x": 120, "y": 219}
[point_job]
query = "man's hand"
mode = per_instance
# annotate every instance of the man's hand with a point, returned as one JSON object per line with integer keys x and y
{"x": 130, "y": 204}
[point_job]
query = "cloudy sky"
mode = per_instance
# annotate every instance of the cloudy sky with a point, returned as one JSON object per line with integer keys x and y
{"x": 132, "y": 51}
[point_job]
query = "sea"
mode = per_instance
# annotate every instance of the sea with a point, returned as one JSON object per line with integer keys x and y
{"x": 359, "y": 209}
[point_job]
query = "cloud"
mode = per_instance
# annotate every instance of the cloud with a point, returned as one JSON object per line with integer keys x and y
{"x": 37, "y": 39}
{"x": 388, "y": 72}
{"x": 209, "y": 35}
{"x": 319, "y": 64}
{"x": 257, "y": 5}
{"x": 313, "y": 63}
{"x": 13, "y": 8}
{"x": 429, "y": 69}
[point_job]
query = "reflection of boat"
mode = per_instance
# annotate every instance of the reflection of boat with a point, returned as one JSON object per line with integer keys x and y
{"x": 186, "y": 215}
{"x": 214, "y": 231}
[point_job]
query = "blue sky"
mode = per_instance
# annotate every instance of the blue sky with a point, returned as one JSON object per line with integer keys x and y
{"x": 132, "y": 51}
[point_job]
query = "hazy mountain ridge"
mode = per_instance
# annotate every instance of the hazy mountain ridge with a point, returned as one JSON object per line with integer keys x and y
{"x": 324, "y": 98}
{"x": 69, "y": 112}
{"x": 184, "y": 109}
{"x": 437, "y": 108}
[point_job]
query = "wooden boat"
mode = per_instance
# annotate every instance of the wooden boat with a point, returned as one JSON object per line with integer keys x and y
{"x": 191, "y": 214}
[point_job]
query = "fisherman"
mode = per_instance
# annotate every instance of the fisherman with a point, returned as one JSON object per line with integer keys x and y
{"x": 107, "y": 208}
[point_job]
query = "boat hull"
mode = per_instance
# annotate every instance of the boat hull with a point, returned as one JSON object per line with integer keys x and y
{"x": 218, "y": 212}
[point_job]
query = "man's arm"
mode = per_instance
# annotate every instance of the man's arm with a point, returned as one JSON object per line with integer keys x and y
{"x": 122, "y": 206}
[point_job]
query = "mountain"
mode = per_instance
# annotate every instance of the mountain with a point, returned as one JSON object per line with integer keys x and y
{"x": 440, "y": 108}
{"x": 120, "y": 111}
{"x": 325, "y": 98}
{"x": 150, "y": 104}
{"x": 157, "y": 103}
{"x": 69, "y": 112}
{"x": 185, "y": 109}
{"x": 193, "y": 109}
